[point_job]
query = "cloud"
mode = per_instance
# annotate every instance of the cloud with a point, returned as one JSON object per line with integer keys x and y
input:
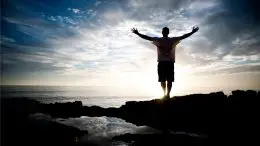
{"x": 167, "y": 4}
{"x": 76, "y": 10}
{"x": 97, "y": 3}
{"x": 6, "y": 39}
{"x": 103, "y": 52}
{"x": 91, "y": 12}
{"x": 31, "y": 22}
{"x": 115, "y": 15}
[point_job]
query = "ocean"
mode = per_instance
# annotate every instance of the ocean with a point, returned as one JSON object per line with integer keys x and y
{"x": 99, "y": 96}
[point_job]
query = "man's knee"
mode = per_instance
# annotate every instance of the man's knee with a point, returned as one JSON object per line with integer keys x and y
{"x": 163, "y": 83}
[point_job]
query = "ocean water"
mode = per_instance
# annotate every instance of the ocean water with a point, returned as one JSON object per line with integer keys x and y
{"x": 100, "y": 96}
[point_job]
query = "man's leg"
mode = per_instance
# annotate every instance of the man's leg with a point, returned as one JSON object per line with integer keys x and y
{"x": 170, "y": 78}
{"x": 169, "y": 87}
{"x": 162, "y": 76}
{"x": 163, "y": 84}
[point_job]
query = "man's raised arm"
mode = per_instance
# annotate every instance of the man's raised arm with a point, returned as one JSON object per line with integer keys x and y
{"x": 135, "y": 31}
{"x": 194, "y": 29}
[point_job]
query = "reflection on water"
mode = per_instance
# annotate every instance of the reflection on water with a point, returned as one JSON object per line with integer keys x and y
{"x": 100, "y": 129}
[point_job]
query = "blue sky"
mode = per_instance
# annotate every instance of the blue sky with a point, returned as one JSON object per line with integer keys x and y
{"x": 89, "y": 42}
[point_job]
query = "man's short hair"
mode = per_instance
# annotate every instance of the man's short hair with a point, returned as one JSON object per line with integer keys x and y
{"x": 165, "y": 29}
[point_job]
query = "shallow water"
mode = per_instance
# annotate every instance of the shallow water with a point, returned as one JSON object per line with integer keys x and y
{"x": 100, "y": 129}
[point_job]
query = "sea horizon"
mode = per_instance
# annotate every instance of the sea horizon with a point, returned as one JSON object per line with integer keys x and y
{"x": 104, "y": 96}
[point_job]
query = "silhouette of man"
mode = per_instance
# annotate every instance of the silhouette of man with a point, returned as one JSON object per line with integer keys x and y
{"x": 165, "y": 55}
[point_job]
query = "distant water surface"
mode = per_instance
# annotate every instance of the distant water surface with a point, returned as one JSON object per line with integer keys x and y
{"x": 100, "y": 96}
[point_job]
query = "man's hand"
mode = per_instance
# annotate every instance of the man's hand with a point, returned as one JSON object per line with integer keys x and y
{"x": 195, "y": 29}
{"x": 135, "y": 31}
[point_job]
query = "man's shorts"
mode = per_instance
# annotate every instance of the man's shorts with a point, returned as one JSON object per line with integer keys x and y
{"x": 166, "y": 71}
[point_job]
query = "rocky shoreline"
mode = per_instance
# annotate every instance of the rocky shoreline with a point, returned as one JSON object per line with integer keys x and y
{"x": 230, "y": 119}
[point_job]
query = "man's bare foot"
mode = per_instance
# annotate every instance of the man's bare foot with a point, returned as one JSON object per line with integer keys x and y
{"x": 166, "y": 97}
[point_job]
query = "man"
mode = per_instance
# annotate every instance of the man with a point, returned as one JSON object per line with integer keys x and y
{"x": 165, "y": 56}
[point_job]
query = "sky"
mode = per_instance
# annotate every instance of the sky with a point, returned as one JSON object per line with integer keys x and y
{"x": 89, "y": 43}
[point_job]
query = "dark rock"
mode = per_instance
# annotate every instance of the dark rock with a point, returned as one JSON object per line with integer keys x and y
{"x": 161, "y": 139}
{"x": 63, "y": 110}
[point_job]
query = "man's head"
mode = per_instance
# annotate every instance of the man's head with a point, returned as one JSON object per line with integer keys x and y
{"x": 165, "y": 31}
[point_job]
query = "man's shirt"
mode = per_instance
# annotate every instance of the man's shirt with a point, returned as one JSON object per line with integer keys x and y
{"x": 166, "y": 48}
